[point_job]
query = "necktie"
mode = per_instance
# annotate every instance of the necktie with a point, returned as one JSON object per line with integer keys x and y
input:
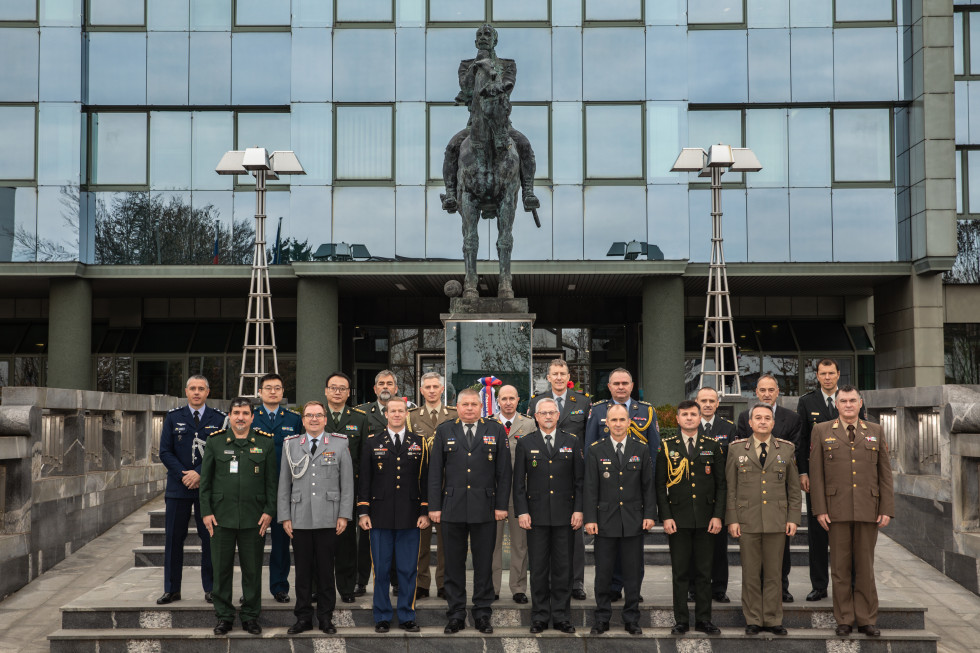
{"x": 507, "y": 427}
{"x": 762, "y": 456}
{"x": 690, "y": 449}
{"x": 547, "y": 441}
{"x": 313, "y": 446}
{"x": 433, "y": 415}
{"x": 561, "y": 403}
{"x": 336, "y": 418}
{"x": 619, "y": 453}
{"x": 197, "y": 419}
{"x": 272, "y": 416}
{"x": 469, "y": 435}
{"x": 850, "y": 433}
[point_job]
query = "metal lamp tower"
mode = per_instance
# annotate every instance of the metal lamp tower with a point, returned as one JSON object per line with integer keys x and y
{"x": 260, "y": 334}
{"x": 719, "y": 330}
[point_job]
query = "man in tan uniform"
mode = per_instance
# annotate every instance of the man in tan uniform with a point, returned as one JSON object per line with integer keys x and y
{"x": 763, "y": 508}
{"x": 852, "y": 496}
{"x": 423, "y": 420}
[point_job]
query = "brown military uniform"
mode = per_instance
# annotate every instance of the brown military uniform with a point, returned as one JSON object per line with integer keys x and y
{"x": 421, "y": 422}
{"x": 762, "y": 500}
{"x": 852, "y": 483}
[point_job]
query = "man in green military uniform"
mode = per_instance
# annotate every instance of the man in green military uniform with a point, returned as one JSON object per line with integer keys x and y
{"x": 238, "y": 501}
{"x": 353, "y": 424}
{"x": 691, "y": 497}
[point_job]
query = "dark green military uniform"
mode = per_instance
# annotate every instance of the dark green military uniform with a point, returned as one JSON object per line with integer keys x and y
{"x": 691, "y": 490}
{"x": 353, "y": 424}
{"x": 238, "y": 485}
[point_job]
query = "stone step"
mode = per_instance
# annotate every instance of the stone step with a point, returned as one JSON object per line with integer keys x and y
{"x": 273, "y": 640}
{"x": 653, "y": 554}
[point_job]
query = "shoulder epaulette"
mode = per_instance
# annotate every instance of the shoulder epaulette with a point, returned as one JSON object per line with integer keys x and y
{"x": 413, "y": 408}
{"x": 726, "y": 420}
{"x": 338, "y": 435}
{"x": 295, "y": 412}
{"x": 218, "y": 410}
{"x": 292, "y": 437}
{"x": 217, "y": 433}
{"x": 450, "y": 407}
{"x": 358, "y": 410}
{"x": 806, "y": 394}
{"x": 643, "y": 403}
{"x": 600, "y": 402}
{"x": 739, "y": 440}
{"x": 786, "y": 441}
{"x": 595, "y": 443}
{"x": 268, "y": 435}
{"x": 674, "y": 436}
{"x": 173, "y": 409}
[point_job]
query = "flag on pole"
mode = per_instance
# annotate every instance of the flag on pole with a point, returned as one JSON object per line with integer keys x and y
{"x": 278, "y": 250}
{"x": 214, "y": 254}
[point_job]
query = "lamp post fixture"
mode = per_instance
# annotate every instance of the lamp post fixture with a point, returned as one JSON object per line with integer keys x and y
{"x": 719, "y": 330}
{"x": 260, "y": 334}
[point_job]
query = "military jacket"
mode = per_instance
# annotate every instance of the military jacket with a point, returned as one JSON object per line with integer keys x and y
{"x": 238, "y": 478}
{"x": 353, "y": 424}
{"x": 182, "y": 446}
{"x": 420, "y": 422}
{"x": 520, "y": 426}
{"x": 548, "y": 487}
{"x": 850, "y": 482}
{"x": 643, "y": 425}
{"x": 573, "y": 414}
{"x": 722, "y": 430}
{"x": 619, "y": 497}
{"x": 813, "y": 410}
{"x": 467, "y": 483}
{"x": 286, "y": 424}
{"x": 394, "y": 482}
{"x": 786, "y": 426}
{"x": 314, "y": 491}
{"x": 763, "y": 499}
{"x": 691, "y": 491}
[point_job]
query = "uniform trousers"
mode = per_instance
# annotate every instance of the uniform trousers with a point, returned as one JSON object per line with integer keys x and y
{"x": 762, "y": 560}
{"x": 250, "y": 549}
{"x": 363, "y": 556}
{"x": 549, "y": 553}
{"x": 481, "y": 538}
{"x": 394, "y": 549}
{"x": 518, "y": 555}
{"x": 314, "y": 549}
{"x": 629, "y": 550}
{"x": 279, "y": 562}
{"x": 691, "y": 548}
{"x": 817, "y": 545}
{"x": 578, "y": 559}
{"x": 178, "y": 514}
{"x": 353, "y": 559}
{"x": 719, "y": 565}
{"x": 425, "y": 559}
{"x": 852, "y": 555}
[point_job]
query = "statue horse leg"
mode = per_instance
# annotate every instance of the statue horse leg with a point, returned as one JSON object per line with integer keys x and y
{"x": 505, "y": 224}
{"x": 470, "y": 213}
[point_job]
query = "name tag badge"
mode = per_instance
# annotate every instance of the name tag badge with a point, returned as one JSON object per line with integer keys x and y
{"x": 233, "y": 467}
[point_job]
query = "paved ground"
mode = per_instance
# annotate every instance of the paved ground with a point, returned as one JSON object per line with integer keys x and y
{"x": 27, "y": 616}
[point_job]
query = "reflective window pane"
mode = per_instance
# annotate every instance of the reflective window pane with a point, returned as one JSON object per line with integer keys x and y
{"x": 974, "y": 38}
{"x": 362, "y": 70}
{"x": 767, "y": 13}
{"x": 17, "y": 135}
{"x": 410, "y": 64}
{"x": 566, "y": 13}
{"x": 115, "y": 12}
{"x": 520, "y": 10}
{"x": 268, "y": 130}
{"x": 443, "y": 234}
{"x": 365, "y": 215}
{"x": 210, "y": 15}
{"x": 733, "y": 225}
{"x": 666, "y": 135}
{"x": 810, "y": 13}
{"x": 410, "y": 150}
{"x": 532, "y": 121}
{"x": 18, "y": 224}
{"x": 312, "y": 13}
{"x": 364, "y": 10}
{"x": 444, "y": 49}
{"x": 456, "y": 10}
{"x": 166, "y": 67}
{"x": 706, "y": 128}
{"x": 62, "y": 13}
{"x": 809, "y": 147}
{"x": 410, "y": 221}
{"x": 19, "y": 10}
{"x": 973, "y": 179}
{"x": 613, "y": 9}
{"x": 812, "y": 64}
{"x": 667, "y": 220}
{"x": 714, "y": 11}
{"x": 958, "y": 43}
{"x": 310, "y": 210}
{"x": 767, "y": 213}
{"x": 810, "y": 225}
{"x": 614, "y": 141}
{"x": 58, "y": 224}
{"x": 530, "y": 243}
{"x": 567, "y": 142}
{"x": 116, "y": 68}
{"x": 613, "y": 213}
{"x": 867, "y": 10}
{"x": 60, "y": 74}
{"x": 713, "y": 78}
{"x": 531, "y": 48}
{"x": 260, "y": 79}
{"x": 666, "y": 67}
{"x": 212, "y": 135}
{"x": 58, "y": 143}
{"x": 169, "y": 15}
{"x": 864, "y": 224}
{"x": 569, "y": 239}
{"x": 612, "y": 63}
{"x": 170, "y": 150}
{"x": 959, "y": 181}
{"x": 862, "y": 145}
{"x": 210, "y": 69}
{"x": 364, "y": 142}
{"x": 444, "y": 123}
{"x": 866, "y": 64}
{"x": 312, "y": 138}
{"x": 765, "y": 133}
{"x": 18, "y": 74}
{"x": 666, "y": 12}
{"x": 566, "y": 63}
{"x": 769, "y": 65}
{"x": 120, "y": 148}
{"x": 261, "y": 12}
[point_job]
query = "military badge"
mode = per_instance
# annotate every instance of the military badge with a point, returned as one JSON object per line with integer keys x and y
{"x": 351, "y": 427}
{"x": 255, "y": 450}
{"x": 490, "y": 439}
{"x": 634, "y": 459}
{"x": 605, "y": 475}
{"x": 707, "y": 469}
{"x": 872, "y": 438}
{"x": 534, "y": 463}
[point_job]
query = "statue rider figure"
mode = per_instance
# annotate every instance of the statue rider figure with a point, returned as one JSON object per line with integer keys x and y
{"x": 506, "y": 70}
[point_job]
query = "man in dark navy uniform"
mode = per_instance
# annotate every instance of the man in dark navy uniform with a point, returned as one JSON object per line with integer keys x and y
{"x": 392, "y": 504}
{"x": 281, "y": 423}
{"x": 185, "y": 432}
{"x": 469, "y": 490}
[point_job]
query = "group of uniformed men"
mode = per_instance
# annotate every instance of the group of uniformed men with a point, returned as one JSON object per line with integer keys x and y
{"x": 576, "y": 468}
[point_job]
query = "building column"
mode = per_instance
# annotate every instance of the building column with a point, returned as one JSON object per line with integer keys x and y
{"x": 317, "y": 336}
{"x": 662, "y": 371}
{"x": 70, "y": 334}
{"x": 909, "y": 332}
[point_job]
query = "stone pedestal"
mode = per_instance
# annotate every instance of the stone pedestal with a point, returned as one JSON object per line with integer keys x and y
{"x": 488, "y": 336}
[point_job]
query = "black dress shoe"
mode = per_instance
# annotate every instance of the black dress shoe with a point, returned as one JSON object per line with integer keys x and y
{"x": 752, "y": 629}
{"x": 496, "y": 597}
{"x": 565, "y": 627}
{"x": 252, "y": 627}
{"x": 441, "y": 592}
{"x": 599, "y": 628}
{"x": 777, "y": 630}
{"x": 299, "y": 627}
{"x": 870, "y": 630}
{"x": 816, "y": 595}
{"x": 359, "y": 590}
{"x": 347, "y": 598}
{"x": 520, "y": 597}
{"x": 679, "y": 629}
{"x": 168, "y": 597}
{"x": 721, "y": 597}
{"x": 578, "y": 595}
{"x": 787, "y": 597}
{"x": 483, "y": 625}
{"x": 538, "y": 627}
{"x": 707, "y": 627}
{"x": 843, "y": 630}
{"x": 394, "y": 590}
{"x": 454, "y": 626}
{"x": 382, "y": 627}
{"x": 409, "y": 626}
{"x": 328, "y": 628}
{"x": 208, "y": 597}
{"x": 223, "y": 627}
{"x": 633, "y": 628}
{"x": 281, "y": 597}
{"x": 690, "y": 597}
{"x": 421, "y": 593}
{"x": 615, "y": 596}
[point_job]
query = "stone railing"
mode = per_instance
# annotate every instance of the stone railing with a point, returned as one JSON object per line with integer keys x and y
{"x": 72, "y": 464}
{"x": 933, "y": 437}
